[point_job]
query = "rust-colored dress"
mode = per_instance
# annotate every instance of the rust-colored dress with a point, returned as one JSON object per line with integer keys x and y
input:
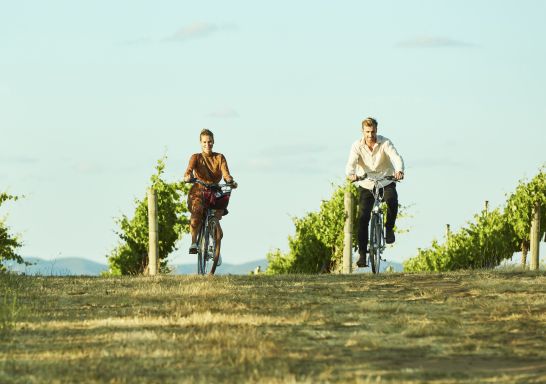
{"x": 209, "y": 169}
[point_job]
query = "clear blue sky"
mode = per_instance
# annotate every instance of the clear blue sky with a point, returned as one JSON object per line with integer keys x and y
{"x": 92, "y": 93}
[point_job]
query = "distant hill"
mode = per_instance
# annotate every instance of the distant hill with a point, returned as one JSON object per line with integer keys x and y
{"x": 225, "y": 268}
{"x": 246, "y": 268}
{"x": 59, "y": 267}
{"x": 75, "y": 266}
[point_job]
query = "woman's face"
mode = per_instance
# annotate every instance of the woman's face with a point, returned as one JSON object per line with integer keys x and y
{"x": 206, "y": 144}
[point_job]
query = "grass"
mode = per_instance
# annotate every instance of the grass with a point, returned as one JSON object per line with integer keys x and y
{"x": 8, "y": 313}
{"x": 465, "y": 327}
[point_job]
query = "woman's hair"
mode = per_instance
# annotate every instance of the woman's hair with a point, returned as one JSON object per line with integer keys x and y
{"x": 206, "y": 132}
{"x": 369, "y": 122}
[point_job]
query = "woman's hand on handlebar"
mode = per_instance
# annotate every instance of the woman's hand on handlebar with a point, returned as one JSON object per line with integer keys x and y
{"x": 232, "y": 184}
{"x": 398, "y": 175}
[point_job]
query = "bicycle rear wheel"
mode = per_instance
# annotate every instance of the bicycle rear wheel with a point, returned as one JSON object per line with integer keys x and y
{"x": 375, "y": 242}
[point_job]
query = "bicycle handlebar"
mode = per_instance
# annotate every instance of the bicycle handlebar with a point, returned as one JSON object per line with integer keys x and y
{"x": 366, "y": 176}
{"x": 212, "y": 186}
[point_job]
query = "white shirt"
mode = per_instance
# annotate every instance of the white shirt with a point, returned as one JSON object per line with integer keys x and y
{"x": 382, "y": 160}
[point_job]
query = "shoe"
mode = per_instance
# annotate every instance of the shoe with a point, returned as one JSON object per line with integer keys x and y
{"x": 193, "y": 248}
{"x": 219, "y": 261}
{"x": 362, "y": 262}
{"x": 389, "y": 236}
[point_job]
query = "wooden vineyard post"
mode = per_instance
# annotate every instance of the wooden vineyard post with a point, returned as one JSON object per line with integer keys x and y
{"x": 153, "y": 244}
{"x": 524, "y": 251}
{"x": 348, "y": 233}
{"x": 534, "y": 236}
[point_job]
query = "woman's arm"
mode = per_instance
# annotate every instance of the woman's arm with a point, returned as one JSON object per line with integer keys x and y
{"x": 225, "y": 170}
{"x": 191, "y": 166}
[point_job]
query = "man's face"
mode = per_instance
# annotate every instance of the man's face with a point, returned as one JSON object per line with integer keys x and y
{"x": 370, "y": 134}
{"x": 206, "y": 144}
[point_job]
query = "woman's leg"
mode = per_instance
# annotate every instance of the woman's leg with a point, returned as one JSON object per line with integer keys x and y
{"x": 195, "y": 206}
{"x": 195, "y": 224}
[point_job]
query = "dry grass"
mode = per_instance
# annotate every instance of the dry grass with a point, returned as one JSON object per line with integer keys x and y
{"x": 468, "y": 327}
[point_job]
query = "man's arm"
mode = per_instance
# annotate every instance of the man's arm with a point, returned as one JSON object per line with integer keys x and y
{"x": 350, "y": 168}
{"x": 396, "y": 160}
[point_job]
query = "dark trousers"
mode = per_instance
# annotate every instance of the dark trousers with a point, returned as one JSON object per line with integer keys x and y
{"x": 390, "y": 196}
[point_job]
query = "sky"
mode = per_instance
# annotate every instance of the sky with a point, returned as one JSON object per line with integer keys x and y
{"x": 93, "y": 93}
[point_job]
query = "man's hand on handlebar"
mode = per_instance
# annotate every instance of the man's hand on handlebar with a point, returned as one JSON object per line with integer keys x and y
{"x": 396, "y": 177}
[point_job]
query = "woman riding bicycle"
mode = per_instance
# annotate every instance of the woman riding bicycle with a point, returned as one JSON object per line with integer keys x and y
{"x": 209, "y": 167}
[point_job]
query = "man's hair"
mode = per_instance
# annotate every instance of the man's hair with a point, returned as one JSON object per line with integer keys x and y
{"x": 369, "y": 122}
{"x": 206, "y": 132}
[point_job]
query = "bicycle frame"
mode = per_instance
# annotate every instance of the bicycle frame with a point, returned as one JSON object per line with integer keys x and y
{"x": 206, "y": 236}
{"x": 204, "y": 254}
{"x": 376, "y": 238}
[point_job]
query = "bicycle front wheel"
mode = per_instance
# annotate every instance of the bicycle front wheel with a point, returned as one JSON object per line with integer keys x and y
{"x": 202, "y": 250}
{"x": 375, "y": 242}
{"x": 212, "y": 245}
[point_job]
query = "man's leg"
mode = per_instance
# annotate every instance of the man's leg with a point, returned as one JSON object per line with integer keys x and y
{"x": 391, "y": 198}
{"x": 366, "y": 204}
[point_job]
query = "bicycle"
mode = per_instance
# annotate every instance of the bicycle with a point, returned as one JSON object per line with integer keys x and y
{"x": 376, "y": 239}
{"x": 215, "y": 196}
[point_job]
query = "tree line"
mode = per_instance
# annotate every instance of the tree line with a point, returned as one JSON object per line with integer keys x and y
{"x": 317, "y": 245}
{"x": 492, "y": 237}
{"x": 9, "y": 243}
{"x": 130, "y": 256}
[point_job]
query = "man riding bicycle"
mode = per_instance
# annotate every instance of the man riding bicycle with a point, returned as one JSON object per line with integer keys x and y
{"x": 374, "y": 154}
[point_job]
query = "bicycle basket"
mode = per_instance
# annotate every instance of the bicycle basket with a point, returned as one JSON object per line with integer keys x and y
{"x": 216, "y": 199}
